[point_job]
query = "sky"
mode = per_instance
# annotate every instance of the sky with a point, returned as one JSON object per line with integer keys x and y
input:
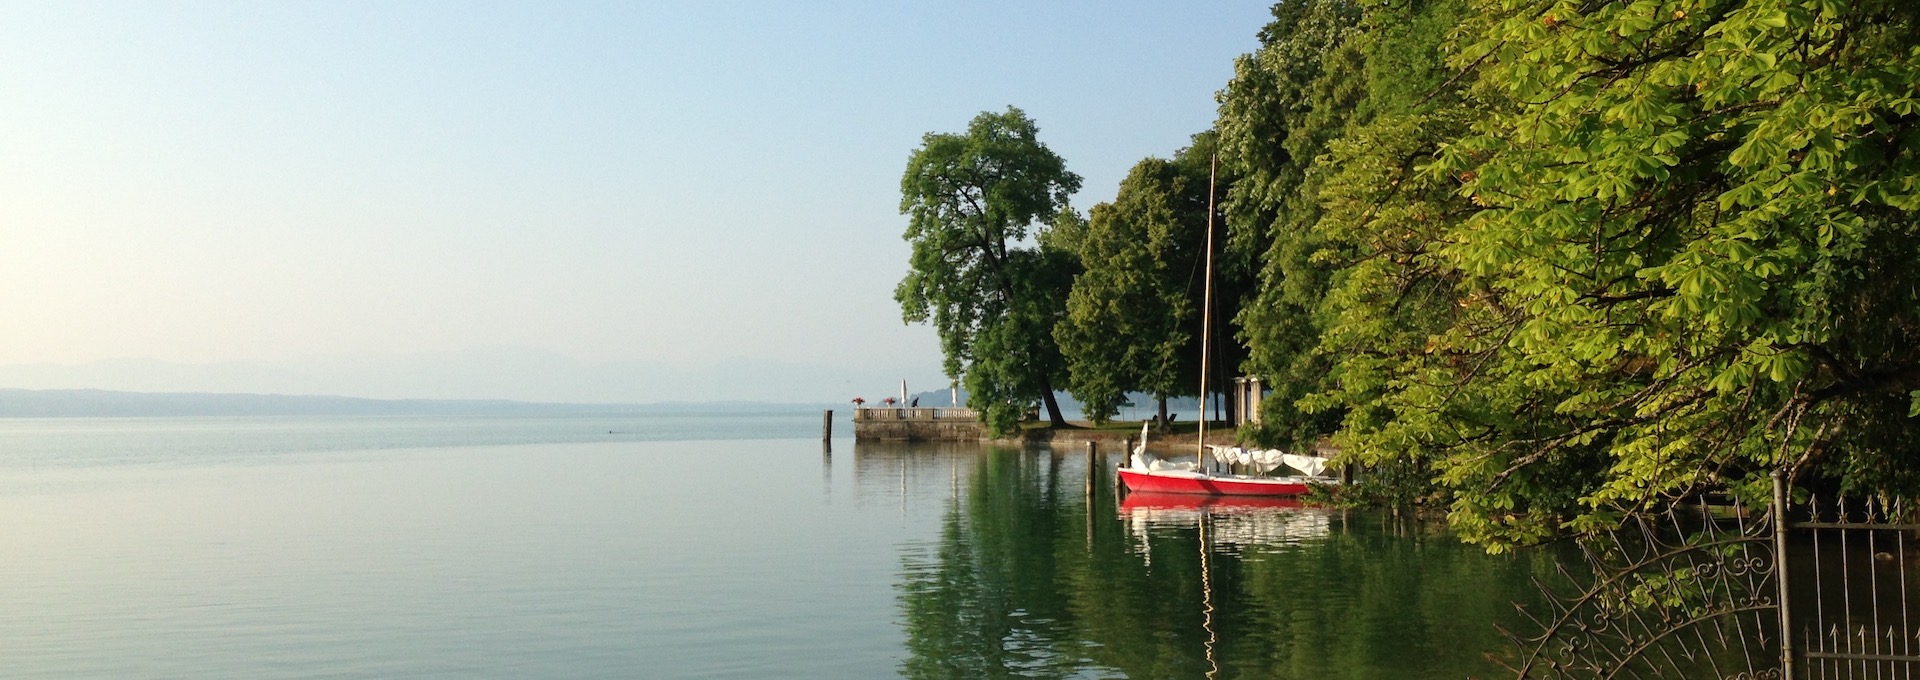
{"x": 265, "y": 190}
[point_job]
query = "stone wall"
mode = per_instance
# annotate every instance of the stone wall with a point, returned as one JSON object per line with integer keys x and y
{"x": 917, "y": 424}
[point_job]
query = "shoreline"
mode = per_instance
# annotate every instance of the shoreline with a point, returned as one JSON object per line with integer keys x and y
{"x": 1082, "y": 434}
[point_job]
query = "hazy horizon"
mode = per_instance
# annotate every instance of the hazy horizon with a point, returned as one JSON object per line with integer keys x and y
{"x": 545, "y": 202}
{"x": 485, "y": 373}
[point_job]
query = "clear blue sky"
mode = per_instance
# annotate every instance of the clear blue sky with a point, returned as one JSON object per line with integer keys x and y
{"x": 678, "y": 182}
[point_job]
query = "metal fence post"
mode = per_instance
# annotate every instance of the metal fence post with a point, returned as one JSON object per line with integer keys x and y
{"x": 1780, "y": 571}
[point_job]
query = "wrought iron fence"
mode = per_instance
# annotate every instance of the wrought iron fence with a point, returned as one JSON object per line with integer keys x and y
{"x": 1857, "y": 609}
{"x": 1816, "y": 591}
{"x": 1686, "y": 593}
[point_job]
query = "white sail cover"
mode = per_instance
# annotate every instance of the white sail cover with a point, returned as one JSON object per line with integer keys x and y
{"x": 1147, "y": 461}
{"x": 1312, "y": 465}
{"x": 1266, "y": 460}
{"x": 1263, "y": 459}
{"x": 1141, "y": 460}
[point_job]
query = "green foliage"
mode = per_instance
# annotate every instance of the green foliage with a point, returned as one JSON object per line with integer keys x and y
{"x": 1133, "y": 315}
{"x": 1326, "y": 71}
{"x": 992, "y": 293}
{"x": 1384, "y": 296}
{"x": 1542, "y": 262}
{"x": 1689, "y": 259}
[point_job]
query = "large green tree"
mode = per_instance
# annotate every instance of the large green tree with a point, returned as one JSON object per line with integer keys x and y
{"x": 983, "y": 270}
{"x": 1133, "y": 316}
{"x": 1379, "y": 219}
{"x": 1284, "y": 103}
{"x": 1691, "y": 258}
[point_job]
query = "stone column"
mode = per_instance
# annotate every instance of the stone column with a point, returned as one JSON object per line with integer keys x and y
{"x": 1240, "y": 399}
{"x": 1256, "y": 390}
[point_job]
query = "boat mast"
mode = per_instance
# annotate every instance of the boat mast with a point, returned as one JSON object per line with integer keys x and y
{"x": 1206, "y": 320}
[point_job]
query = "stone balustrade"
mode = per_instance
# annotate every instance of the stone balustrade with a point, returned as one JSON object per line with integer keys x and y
{"x": 917, "y": 413}
{"x": 942, "y": 423}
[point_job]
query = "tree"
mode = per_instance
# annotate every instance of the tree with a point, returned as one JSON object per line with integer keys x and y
{"x": 1133, "y": 315}
{"x": 1357, "y": 278}
{"x": 1692, "y": 259}
{"x": 973, "y": 201}
{"x": 1284, "y": 104}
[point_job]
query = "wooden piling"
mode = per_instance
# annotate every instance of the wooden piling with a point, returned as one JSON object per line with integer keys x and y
{"x": 1093, "y": 472}
{"x": 826, "y": 425}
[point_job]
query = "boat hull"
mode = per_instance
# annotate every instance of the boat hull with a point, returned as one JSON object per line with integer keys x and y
{"x": 1148, "y": 500}
{"x": 1184, "y": 482}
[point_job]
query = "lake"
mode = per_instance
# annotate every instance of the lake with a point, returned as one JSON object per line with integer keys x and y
{"x": 685, "y": 546}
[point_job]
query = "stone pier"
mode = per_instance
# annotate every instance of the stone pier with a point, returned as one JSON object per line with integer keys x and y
{"x": 917, "y": 424}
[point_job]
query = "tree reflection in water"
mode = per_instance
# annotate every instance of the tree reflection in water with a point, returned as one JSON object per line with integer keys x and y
{"x": 1038, "y": 571}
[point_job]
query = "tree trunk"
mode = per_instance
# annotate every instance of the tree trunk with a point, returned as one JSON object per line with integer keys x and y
{"x": 1164, "y": 425}
{"x": 1053, "y": 405}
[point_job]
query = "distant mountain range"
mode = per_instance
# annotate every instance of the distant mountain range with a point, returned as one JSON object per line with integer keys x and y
{"x": 18, "y": 403}
{"x": 494, "y": 372}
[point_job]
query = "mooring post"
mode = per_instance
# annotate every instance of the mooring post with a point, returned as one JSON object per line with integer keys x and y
{"x": 1780, "y": 570}
{"x": 1093, "y": 471}
{"x": 826, "y": 425}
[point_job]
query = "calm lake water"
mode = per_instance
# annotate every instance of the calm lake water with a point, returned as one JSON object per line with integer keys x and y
{"x": 684, "y": 546}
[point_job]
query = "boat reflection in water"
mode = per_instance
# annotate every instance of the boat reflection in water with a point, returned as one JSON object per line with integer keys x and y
{"x": 1221, "y": 524}
{"x": 1036, "y": 567}
{"x": 1233, "y": 522}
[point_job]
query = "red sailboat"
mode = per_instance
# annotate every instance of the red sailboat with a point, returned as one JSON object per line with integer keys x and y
{"x": 1144, "y": 473}
{"x": 1194, "y": 482}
